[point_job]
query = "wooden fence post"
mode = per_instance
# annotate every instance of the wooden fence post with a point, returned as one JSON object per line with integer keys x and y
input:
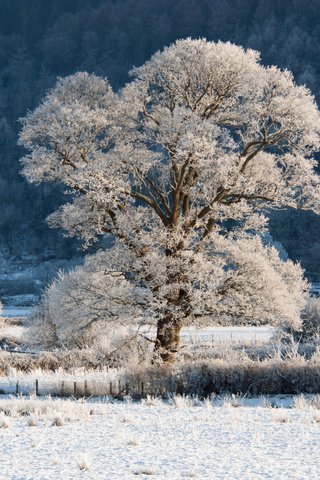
{"x": 75, "y": 389}
{"x": 37, "y": 387}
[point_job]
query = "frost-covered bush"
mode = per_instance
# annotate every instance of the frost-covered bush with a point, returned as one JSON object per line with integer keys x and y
{"x": 310, "y": 327}
{"x": 85, "y": 308}
{"x": 83, "y": 304}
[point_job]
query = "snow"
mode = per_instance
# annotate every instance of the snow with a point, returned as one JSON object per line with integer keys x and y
{"x": 161, "y": 441}
{"x": 9, "y": 312}
{"x": 228, "y": 333}
{"x": 188, "y": 334}
{"x": 220, "y": 334}
{"x": 14, "y": 332}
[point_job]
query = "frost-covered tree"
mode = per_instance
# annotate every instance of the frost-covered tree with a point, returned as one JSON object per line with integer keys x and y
{"x": 179, "y": 167}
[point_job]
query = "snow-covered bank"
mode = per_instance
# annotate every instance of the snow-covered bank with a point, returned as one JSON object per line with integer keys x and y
{"x": 127, "y": 441}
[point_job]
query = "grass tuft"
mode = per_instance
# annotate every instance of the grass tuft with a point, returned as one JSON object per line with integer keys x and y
{"x": 84, "y": 463}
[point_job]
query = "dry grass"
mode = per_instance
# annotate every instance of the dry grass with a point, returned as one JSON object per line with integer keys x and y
{"x": 183, "y": 401}
{"x": 293, "y": 375}
{"x": 145, "y": 471}
{"x": 233, "y": 400}
{"x": 128, "y": 419}
{"x": 58, "y": 421}
{"x": 275, "y": 375}
{"x": 133, "y": 441}
{"x": 4, "y": 421}
{"x": 84, "y": 463}
{"x": 316, "y": 417}
{"x": 33, "y": 421}
{"x": 152, "y": 401}
{"x": 49, "y": 361}
{"x": 281, "y": 416}
{"x": 12, "y": 322}
{"x": 55, "y": 412}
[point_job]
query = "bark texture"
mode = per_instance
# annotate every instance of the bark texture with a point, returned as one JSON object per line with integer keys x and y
{"x": 167, "y": 340}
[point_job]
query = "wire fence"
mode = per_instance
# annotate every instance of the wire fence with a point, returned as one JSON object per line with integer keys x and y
{"x": 75, "y": 388}
{"x": 87, "y": 388}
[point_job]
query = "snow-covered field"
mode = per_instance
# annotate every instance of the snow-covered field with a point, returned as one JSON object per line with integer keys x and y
{"x": 247, "y": 334}
{"x": 15, "y": 332}
{"x": 229, "y": 438}
{"x": 188, "y": 334}
{"x": 162, "y": 441}
{"x": 217, "y": 333}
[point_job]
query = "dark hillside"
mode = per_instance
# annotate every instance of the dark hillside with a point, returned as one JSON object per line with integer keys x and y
{"x": 42, "y": 40}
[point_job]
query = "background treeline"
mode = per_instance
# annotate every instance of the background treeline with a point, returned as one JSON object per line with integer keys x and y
{"x": 40, "y": 40}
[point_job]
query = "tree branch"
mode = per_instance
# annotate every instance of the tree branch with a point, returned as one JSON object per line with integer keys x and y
{"x": 152, "y": 204}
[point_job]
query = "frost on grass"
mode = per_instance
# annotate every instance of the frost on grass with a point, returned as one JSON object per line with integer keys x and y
{"x": 56, "y": 412}
{"x": 152, "y": 401}
{"x": 84, "y": 463}
{"x": 4, "y": 421}
{"x": 145, "y": 471}
{"x": 281, "y": 416}
{"x": 33, "y": 421}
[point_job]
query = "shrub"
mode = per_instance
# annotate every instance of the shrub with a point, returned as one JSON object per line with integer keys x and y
{"x": 310, "y": 328}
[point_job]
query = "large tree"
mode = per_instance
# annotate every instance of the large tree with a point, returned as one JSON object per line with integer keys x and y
{"x": 179, "y": 167}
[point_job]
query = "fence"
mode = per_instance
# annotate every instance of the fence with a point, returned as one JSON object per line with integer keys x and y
{"x": 271, "y": 376}
{"x": 71, "y": 388}
{"x": 85, "y": 388}
{"x": 157, "y": 382}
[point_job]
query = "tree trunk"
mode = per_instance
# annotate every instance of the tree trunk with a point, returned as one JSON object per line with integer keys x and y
{"x": 168, "y": 339}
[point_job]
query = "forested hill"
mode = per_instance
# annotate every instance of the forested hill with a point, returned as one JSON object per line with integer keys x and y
{"x": 40, "y": 40}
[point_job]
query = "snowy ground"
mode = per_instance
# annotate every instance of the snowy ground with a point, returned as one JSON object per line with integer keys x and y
{"x": 188, "y": 333}
{"x": 228, "y": 439}
{"x": 247, "y": 334}
{"x": 220, "y": 334}
{"x": 161, "y": 441}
